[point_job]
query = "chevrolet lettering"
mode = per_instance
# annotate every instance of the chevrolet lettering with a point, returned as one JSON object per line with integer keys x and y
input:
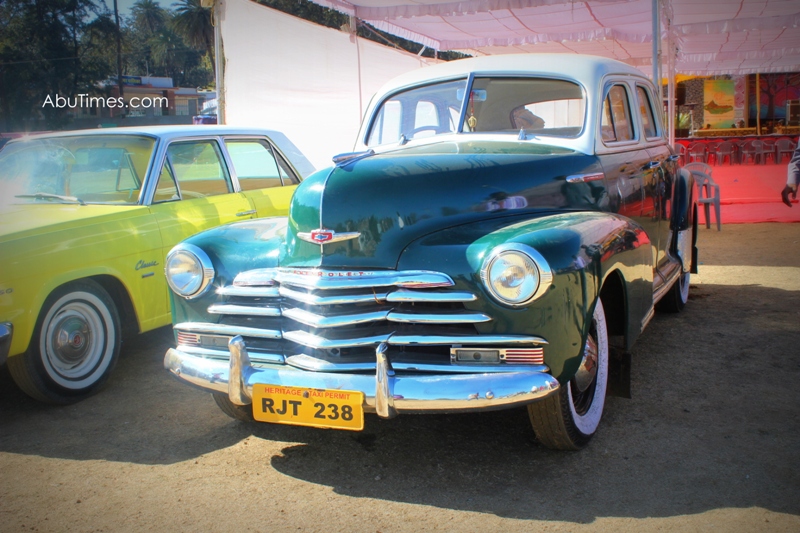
{"x": 502, "y": 233}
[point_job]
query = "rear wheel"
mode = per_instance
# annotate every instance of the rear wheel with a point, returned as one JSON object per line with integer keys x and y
{"x": 75, "y": 345}
{"x": 239, "y": 412}
{"x": 569, "y": 419}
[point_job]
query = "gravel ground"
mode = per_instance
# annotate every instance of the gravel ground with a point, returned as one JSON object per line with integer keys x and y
{"x": 710, "y": 440}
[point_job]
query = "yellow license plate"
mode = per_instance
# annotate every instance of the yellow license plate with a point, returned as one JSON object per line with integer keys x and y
{"x": 326, "y": 408}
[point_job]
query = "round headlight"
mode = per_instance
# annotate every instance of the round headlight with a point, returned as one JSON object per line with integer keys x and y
{"x": 189, "y": 270}
{"x": 516, "y": 274}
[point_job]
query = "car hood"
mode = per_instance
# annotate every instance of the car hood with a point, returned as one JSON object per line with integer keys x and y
{"x": 23, "y": 220}
{"x": 385, "y": 201}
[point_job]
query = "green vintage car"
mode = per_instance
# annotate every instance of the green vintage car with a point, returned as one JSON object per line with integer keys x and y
{"x": 86, "y": 220}
{"x": 499, "y": 239}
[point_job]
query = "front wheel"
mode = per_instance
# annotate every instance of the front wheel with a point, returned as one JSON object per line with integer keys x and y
{"x": 569, "y": 419}
{"x": 75, "y": 345}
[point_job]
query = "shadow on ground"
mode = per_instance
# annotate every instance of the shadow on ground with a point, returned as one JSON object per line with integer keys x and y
{"x": 712, "y": 424}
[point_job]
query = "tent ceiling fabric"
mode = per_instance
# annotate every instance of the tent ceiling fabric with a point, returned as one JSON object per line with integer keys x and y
{"x": 708, "y": 36}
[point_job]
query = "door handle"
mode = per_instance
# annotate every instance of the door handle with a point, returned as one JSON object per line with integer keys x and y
{"x": 246, "y": 213}
{"x": 651, "y": 165}
{"x": 673, "y": 158}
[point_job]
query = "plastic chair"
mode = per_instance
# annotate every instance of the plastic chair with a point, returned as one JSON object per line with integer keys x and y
{"x": 783, "y": 145}
{"x": 680, "y": 149}
{"x": 724, "y": 149}
{"x": 697, "y": 152}
{"x": 707, "y": 192}
{"x": 752, "y": 149}
{"x": 767, "y": 150}
{"x": 711, "y": 151}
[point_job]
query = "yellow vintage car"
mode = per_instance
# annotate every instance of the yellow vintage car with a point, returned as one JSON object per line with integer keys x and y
{"x": 86, "y": 220}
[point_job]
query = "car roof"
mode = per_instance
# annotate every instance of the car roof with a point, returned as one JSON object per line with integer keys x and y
{"x": 586, "y": 69}
{"x": 169, "y": 133}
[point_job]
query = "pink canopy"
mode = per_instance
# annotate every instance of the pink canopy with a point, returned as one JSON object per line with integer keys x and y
{"x": 707, "y": 36}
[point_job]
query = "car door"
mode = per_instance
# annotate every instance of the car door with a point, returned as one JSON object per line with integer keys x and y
{"x": 263, "y": 174}
{"x": 194, "y": 192}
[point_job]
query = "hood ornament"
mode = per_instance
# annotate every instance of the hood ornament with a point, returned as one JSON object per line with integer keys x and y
{"x": 326, "y": 236}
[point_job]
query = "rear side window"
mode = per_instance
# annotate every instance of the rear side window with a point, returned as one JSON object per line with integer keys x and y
{"x": 646, "y": 110}
{"x": 256, "y": 165}
{"x": 617, "y": 122}
{"x": 197, "y": 169}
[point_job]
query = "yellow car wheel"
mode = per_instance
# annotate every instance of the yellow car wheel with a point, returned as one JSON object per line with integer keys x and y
{"x": 74, "y": 347}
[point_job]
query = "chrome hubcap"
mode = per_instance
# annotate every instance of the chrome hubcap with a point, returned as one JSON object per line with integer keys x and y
{"x": 72, "y": 344}
{"x": 588, "y": 369}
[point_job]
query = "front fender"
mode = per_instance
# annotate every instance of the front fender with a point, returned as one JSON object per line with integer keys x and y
{"x": 581, "y": 248}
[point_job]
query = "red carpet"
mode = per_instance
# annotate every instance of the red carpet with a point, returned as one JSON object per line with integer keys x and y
{"x": 752, "y": 193}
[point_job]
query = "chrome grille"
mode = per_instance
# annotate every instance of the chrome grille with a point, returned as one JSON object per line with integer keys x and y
{"x": 336, "y": 318}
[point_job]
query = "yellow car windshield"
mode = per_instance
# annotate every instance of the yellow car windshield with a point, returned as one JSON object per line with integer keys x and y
{"x": 90, "y": 169}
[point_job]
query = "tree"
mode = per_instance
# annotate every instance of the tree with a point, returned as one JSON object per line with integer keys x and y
{"x": 193, "y": 22}
{"x": 44, "y": 53}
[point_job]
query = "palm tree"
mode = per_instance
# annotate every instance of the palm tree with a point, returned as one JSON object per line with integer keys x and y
{"x": 148, "y": 16}
{"x": 193, "y": 22}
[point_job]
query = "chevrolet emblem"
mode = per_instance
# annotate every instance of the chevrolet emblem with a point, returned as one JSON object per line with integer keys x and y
{"x": 325, "y": 236}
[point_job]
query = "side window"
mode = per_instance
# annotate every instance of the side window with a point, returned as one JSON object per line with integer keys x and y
{"x": 616, "y": 122}
{"x": 254, "y": 164}
{"x": 166, "y": 190}
{"x": 198, "y": 169}
{"x": 387, "y": 125}
{"x": 646, "y": 110}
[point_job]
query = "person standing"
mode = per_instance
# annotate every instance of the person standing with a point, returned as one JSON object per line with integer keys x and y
{"x": 792, "y": 178}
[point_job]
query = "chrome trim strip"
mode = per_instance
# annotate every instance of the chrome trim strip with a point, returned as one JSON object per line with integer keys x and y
{"x": 410, "y": 392}
{"x": 256, "y": 357}
{"x": 648, "y": 317}
{"x": 313, "y": 299}
{"x": 312, "y": 364}
{"x": 233, "y": 309}
{"x": 317, "y": 321}
{"x": 585, "y": 178}
{"x": 315, "y": 341}
{"x": 255, "y": 278}
{"x": 406, "y": 295}
{"x": 410, "y": 340}
{"x": 336, "y": 279}
{"x": 249, "y": 292}
{"x": 432, "y": 318}
{"x": 224, "y": 329}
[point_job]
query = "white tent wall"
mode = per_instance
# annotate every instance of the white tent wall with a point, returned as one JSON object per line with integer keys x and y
{"x": 310, "y": 82}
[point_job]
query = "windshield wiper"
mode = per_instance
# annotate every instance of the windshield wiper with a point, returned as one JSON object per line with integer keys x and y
{"x": 48, "y": 196}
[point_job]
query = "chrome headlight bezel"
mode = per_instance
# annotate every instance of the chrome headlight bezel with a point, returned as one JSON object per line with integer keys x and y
{"x": 202, "y": 279}
{"x": 526, "y": 254}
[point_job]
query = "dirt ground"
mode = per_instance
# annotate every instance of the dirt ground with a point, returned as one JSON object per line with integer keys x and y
{"x": 710, "y": 440}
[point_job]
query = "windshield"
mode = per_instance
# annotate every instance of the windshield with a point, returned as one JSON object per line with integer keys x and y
{"x": 97, "y": 169}
{"x": 539, "y": 106}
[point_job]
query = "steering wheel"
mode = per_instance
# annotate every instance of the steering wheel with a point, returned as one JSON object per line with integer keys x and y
{"x": 424, "y": 128}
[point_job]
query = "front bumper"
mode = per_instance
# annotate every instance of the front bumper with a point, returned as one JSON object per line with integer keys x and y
{"x": 6, "y": 332}
{"x": 385, "y": 392}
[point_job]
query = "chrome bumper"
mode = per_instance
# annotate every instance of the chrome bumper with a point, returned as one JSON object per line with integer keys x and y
{"x": 6, "y": 331}
{"x": 385, "y": 392}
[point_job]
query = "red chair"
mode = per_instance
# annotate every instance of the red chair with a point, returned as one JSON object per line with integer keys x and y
{"x": 784, "y": 145}
{"x": 697, "y": 152}
{"x": 711, "y": 151}
{"x": 680, "y": 149}
{"x": 724, "y": 149}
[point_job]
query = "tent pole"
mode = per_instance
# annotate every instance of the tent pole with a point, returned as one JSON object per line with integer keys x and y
{"x": 218, "y": 62}
{"x": 656, "y": 39}
{"x": 758, "y": 104}
{"x": 670, "y": 85}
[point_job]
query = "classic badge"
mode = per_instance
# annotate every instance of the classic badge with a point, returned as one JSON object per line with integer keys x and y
{"x": 324, "y": 236}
